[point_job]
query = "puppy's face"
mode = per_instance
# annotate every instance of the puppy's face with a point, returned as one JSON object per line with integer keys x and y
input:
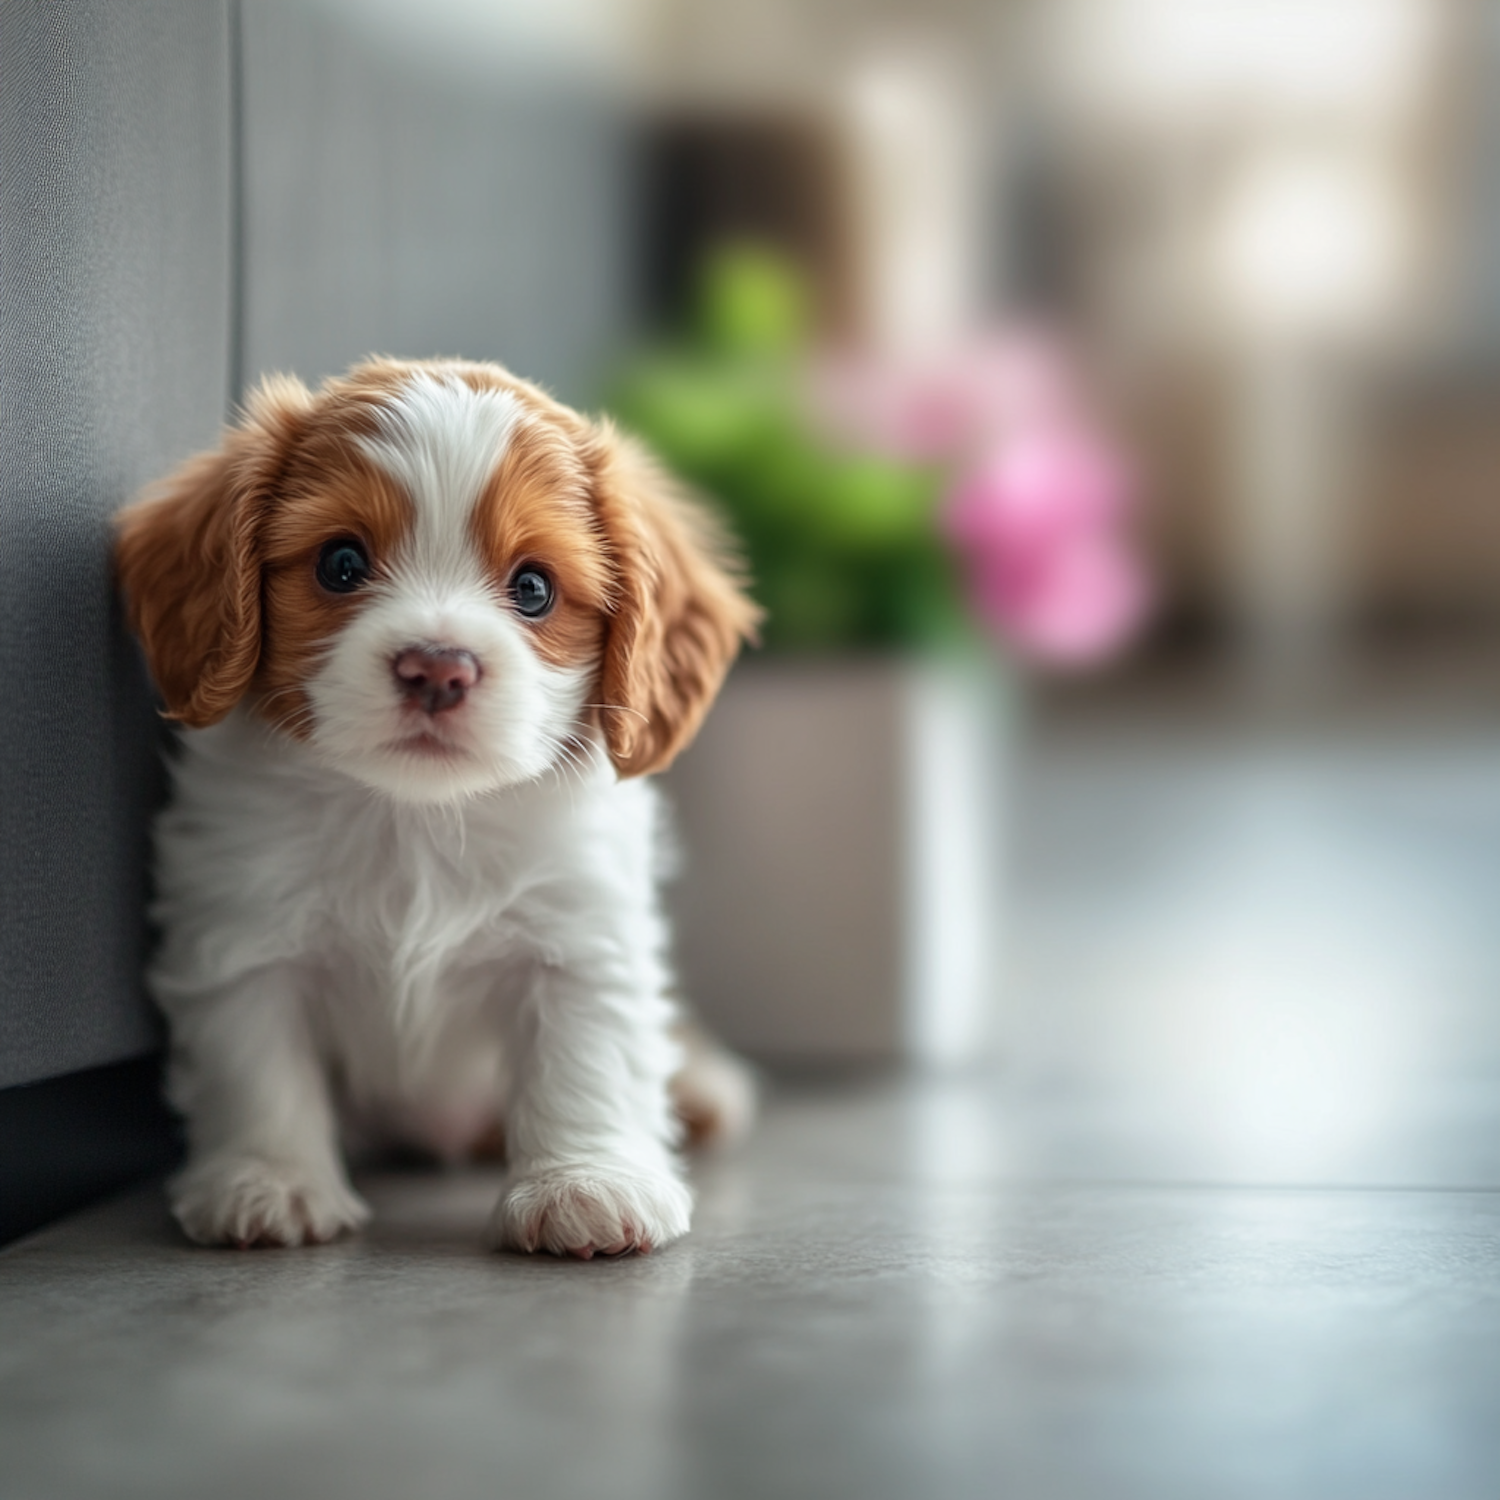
{"x": 435, "y": 577}
{"x": 437, "y": 588}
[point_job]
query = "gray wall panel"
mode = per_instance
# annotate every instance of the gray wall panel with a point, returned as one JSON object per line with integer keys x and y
{"x": 114, "y": 312}
{"x": 406, "y": 200}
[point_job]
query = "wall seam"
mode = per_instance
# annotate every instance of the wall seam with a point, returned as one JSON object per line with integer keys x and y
{"x": 235, "y": 373}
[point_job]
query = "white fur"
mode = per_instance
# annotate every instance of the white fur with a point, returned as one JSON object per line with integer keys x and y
{"x": 443, "y": 439}
{"x": 356, "y": 933}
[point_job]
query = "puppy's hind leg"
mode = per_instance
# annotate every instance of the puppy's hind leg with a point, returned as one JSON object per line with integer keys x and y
{"x": 714, "y": 1092}
{"x": 263, "y": 1164}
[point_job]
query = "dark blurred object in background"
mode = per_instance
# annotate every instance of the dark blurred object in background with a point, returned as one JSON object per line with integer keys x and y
{"x": 769, "y": 181}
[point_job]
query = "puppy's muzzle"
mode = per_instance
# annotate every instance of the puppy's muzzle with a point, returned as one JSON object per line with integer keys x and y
{"x": 435, "y": 678}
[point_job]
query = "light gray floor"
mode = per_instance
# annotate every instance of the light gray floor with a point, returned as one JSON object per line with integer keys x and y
{"x": 1226, "y": 1222}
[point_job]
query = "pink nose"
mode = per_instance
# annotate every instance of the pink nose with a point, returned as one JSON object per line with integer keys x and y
{"x": 435, "y": 679}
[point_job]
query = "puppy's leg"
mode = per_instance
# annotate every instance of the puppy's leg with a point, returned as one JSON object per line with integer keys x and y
{"x": 263, "y": 1164}
{"x": 590, "y": 1128}
{"x": 713, "y": 1091}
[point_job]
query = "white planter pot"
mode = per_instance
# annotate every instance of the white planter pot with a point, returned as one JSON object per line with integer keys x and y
{"x": 840, "y": 823}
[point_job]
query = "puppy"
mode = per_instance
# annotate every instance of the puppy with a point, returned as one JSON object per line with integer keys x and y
{"x": 426, "y": 632}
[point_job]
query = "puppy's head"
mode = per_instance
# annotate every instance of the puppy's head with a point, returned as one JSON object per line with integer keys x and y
{"x": 436, "y": 577}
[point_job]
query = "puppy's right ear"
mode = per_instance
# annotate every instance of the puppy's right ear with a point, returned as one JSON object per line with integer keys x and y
{"x": 188, "y": 559}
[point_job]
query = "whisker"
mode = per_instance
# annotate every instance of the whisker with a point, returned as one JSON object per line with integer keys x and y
{"x": 565, "y": 749}
{"x": 619, "y": 708}
{"x": 576, "y": 755}
{"x": 569, "y": 750}
{"x": 301, "y": 716}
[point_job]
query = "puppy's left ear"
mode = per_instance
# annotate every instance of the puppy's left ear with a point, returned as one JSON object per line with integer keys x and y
{"x": 680, "y": 611}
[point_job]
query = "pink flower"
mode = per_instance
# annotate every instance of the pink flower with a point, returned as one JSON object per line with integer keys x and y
{"x": 942, "y": 403}
{"x": 1038, "y": 525}
{"x": 1038, "y": 513}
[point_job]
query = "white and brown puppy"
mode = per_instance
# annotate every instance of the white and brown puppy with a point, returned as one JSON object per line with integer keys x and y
{"x": 426, "y": 630}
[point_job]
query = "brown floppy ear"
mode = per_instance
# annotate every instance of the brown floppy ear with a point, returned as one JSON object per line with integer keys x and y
{"x": 679, "y": 615}
{"x": 188, "y": 558}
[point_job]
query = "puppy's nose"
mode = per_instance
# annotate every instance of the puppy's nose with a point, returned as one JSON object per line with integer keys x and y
{"x": 436, "y": 679}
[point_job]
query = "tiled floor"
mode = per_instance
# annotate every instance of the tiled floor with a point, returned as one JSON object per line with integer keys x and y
{"x": 1226, "y": 1222}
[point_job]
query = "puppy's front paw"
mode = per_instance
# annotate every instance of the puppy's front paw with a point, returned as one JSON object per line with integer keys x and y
{"x": 587, "y": 1211}
{"x": 249, "y": 1200}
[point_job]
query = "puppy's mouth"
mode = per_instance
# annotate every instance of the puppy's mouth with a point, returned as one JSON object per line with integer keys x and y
{"x": 423, "y": 744}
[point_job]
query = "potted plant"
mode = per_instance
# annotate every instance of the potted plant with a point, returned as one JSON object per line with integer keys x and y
{"x": 915, "y": 528}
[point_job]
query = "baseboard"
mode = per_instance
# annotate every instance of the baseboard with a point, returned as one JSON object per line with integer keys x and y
{"x": 66, "y": 1141}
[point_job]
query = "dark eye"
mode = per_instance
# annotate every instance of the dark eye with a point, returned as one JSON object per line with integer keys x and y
{"x": 532, "y": 591}
{"x": 343, "y": 565}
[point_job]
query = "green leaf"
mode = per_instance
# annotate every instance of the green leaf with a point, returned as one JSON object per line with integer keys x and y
{"x": 751, "y": 302}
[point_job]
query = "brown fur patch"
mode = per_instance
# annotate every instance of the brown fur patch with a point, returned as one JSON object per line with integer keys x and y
{"x": 681, "y": 614}
{"x": 536, "y": 509}
{"x": 188, "y": 558}
{"x": 330, "y": 490}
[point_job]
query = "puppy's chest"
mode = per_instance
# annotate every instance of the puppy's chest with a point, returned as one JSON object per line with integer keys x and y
{"x": 410, "y": 961}
{"x": 409, "y": 912}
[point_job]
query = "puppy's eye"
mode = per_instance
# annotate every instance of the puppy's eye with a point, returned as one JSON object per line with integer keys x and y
{"x": 343, "y": 565}
{"x": 532, "y": 591}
